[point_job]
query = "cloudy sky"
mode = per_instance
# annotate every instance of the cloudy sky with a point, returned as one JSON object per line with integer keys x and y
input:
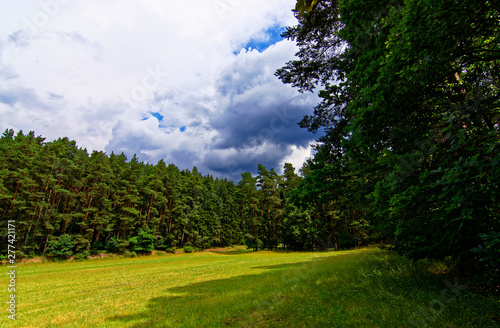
{"x": 189, "y": 82}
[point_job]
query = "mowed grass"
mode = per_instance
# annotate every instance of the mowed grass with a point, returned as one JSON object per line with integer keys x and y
{"x": 358, "y": 288}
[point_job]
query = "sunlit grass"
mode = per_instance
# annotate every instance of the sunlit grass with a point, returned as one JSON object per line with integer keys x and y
{"x": 360, "y": 288}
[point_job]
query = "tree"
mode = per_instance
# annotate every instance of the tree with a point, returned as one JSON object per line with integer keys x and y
{"x": 270, "y": 211}
{"x": 410, "y": 110}
{"x": 248, "y": 197}
{"x": 143, "y": 242}
{"x": 61, "y": 247}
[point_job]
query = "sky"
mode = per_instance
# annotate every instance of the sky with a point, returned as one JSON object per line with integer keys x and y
{"x": 189, "y": 82}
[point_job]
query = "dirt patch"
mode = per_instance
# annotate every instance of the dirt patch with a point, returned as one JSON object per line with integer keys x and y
{"x": 33, "y": 260}
{"x": 99, "y": 256}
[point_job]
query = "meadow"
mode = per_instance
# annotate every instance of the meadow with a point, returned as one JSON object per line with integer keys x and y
{"x": 239, "y": 288}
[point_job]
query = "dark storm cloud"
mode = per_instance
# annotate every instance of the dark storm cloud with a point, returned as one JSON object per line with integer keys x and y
{"x": 251, "y": 124}
{"x": 259, "y": 123}
{"x": 258, "y": 103}
{"x": 258, "y": 136}
{"x": 232, "y": 162}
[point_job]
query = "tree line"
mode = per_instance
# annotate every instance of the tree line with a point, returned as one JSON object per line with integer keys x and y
{"x": 65, "y": 201}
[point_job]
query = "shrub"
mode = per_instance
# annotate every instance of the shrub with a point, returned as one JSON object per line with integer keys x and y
{"x": 98, "y": 246}
{"x": 143, "y": 242}
{"x": 81, "y": 244}
{"x": 163, "y": 243}
{"x": 115, "y": 245}
{"x": 188, "y": 249}
{"x": 82, "y": 255}
{"x": 61, "y": 247}
{"x": 252, "y": 242}
{"x": 488, "y": 254}
{"x": 23, "y": 255}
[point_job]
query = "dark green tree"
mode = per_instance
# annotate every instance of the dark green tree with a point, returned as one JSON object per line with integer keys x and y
{"x": 410, "y": 111}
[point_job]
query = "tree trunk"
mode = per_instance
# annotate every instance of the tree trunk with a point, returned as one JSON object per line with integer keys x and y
{"x": 86, "y": 215}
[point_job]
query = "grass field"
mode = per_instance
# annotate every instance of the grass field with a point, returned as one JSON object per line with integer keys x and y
{"x": 359, "y": 288}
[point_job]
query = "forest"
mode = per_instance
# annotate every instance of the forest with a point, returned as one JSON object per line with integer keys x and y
{"x": 408, "y": 153}
{"x": 53, "y": 190}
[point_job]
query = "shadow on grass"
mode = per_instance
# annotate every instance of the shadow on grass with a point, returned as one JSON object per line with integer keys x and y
{"x": 358, "y": 290}
{"x": 216, "y": 303}
{"x": 277, "y": 267}
{"x": 249, "y": 250}
{"x": 277, "y": 251}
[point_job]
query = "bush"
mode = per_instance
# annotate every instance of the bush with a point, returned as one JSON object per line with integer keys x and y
{"x": 61, "y": 247}
{"x": 252, "y": 242}
{"x": 23, "y": 255}
{"x": 28, "y": 251}
{"x": 82, "y": 255}
{"x": 488, "y": 254}
{"x": 188, "y": 249}
{"x": 81, "y": 244}
{"x": 115, "y": 245}
{"x": 163, "y": 243}
{"x": 98, "y": 246}
{"x": 143, "y": 242}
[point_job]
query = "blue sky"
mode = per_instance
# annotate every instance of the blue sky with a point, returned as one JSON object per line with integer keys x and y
{"x": 191, "y": 83}
{"x": 270, "y": 36}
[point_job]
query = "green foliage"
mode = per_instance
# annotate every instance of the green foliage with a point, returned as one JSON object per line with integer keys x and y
{"x": 410, "y": 111}
{"x": 252, "y": 242}
{"x": 61, "y": 247}
{"x": 297, "y": 229}
{"x": 81, "y": 244}
{"x": 489, "y": 256}
{"x": 143, "y": 242}
{"x": 163, "y": 243}
{"x": 55, "y": 188}
{"x": 188, "y": 249}
{"x": 82, "y": 255}
{"x": 117, "y": 246}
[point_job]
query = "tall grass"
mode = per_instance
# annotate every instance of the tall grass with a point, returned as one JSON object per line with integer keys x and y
{"x": 360, "y": 288}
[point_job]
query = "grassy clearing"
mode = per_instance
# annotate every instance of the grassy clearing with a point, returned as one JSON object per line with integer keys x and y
{"x": 361, "y": 288}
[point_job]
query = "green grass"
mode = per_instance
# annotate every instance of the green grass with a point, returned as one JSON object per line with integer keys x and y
{"x": 359, "y": 288}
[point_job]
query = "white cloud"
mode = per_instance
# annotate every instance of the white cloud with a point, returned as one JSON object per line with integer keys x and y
{"x": 297, "y": 157}
{"x": 95, "y": 71}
